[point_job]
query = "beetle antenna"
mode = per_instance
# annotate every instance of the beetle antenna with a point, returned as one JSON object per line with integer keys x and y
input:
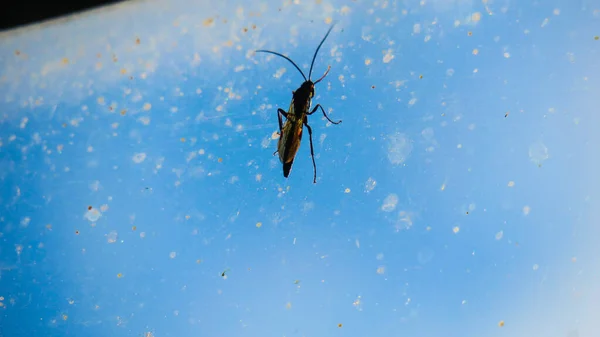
{"x": 285, "y": 57}
{"x": 316, "y": 51}
{"x": 322, "y": 77}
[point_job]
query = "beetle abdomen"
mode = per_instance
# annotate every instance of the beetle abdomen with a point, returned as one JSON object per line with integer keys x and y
{"x": 287, "y": 167}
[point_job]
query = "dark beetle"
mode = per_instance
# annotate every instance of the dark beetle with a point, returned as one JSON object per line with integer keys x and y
{"x": 290, "y": 132}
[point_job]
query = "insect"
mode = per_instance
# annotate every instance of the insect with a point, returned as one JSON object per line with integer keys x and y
{"x": 290, "y": 132}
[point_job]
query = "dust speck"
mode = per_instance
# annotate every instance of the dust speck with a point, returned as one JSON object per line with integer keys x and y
{"x": 389, "y": 203}
{"x": 399, "y": 148}
{"x": 370, "y": 185}
{"x": 24, "y": 122}
{"x": 388, "y": 57}
{"x": 172, "y": 255}
{"x": 511, "y": 184}
{"x": 456, "y": 229}
{"x": 138, "y": 158}
{"x": 416, "y": 28}
{"x": 112, "y": 237}
{"x": 144, "y": 120}
{"x": 538, "y": 153}
{"x": 526, "y": 210}
{"x": 279, "y": 72}
{"x": 499, "y": 235}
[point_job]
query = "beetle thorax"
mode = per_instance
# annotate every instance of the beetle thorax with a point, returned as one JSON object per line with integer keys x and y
{"x": 303, "y": 97}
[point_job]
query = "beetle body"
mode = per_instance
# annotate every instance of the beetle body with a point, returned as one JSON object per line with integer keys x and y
{"x": 290, "y": 136}
{"x": 296, "y": 118}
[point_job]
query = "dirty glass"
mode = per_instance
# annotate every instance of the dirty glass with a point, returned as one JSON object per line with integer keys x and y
{"x": 140, "y": 194}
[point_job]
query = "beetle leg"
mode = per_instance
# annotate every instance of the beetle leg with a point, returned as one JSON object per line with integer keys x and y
{"x": 312, "y": 152}
{"x": 324, "y": 114}
{"x": 281, "y": 112}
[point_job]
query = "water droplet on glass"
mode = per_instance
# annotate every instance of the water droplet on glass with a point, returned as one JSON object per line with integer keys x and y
{"x": 93, "y": 215}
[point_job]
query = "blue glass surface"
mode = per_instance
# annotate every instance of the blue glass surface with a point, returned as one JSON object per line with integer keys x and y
{"x": 459, "y": 196}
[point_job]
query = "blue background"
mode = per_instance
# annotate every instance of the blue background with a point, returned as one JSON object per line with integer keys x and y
{"x": 459, "y": 197}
